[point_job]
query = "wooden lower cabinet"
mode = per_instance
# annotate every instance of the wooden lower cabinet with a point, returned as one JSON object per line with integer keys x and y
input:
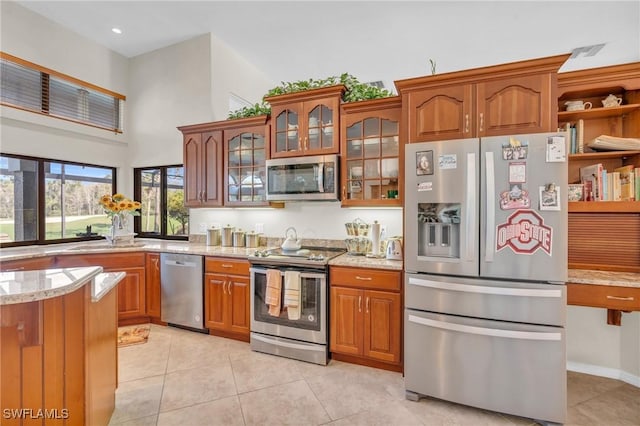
{"x": 226, "y": 298}
{"x": 60, "y": 354}
{"x": 28, "y": 264}
{"x": 131, "y": 290}
{"x": 365, "y": 323}
{"x": 153, "y": 290}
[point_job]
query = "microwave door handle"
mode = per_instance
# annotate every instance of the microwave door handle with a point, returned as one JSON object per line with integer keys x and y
{"x": 470, "y": 214}
{"x": 490, "y": 208}
{"x": 321, "y": 177}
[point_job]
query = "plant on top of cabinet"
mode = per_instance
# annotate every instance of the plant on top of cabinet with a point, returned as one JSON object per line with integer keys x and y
{"x": 354, "y": 91}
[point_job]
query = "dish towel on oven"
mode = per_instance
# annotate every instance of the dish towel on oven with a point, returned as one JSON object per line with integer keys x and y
{"x": 292, "y": 294}
{"x": 274, "y": 289}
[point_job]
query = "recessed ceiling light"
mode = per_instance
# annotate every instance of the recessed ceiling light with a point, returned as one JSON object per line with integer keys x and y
{"x": 116, "y": 30}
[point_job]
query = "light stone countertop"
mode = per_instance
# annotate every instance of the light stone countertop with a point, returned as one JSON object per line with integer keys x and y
{"x": 104, "y": 282}
{"x": 366, "y": 262}
{"x": 619, "y": 279}
{"x": 169, "y": 246}
{"x": 31, "y": 286}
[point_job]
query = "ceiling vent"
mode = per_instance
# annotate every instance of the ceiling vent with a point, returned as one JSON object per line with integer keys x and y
{"x": 379, "y": 84}
{"x": 585, "y": 51}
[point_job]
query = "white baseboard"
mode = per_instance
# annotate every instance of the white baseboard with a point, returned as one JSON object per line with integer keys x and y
{"x": 610, "y": 373}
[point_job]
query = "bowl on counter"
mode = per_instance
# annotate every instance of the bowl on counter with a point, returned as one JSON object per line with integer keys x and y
{"x": 358, "y": 246}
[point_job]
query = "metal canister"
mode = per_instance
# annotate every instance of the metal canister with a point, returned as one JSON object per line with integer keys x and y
{"x": 238, "y": 238}
{"x": 252, "y": 239}
{"x": 227, "y": 236}
{"x": 213, "y": 236}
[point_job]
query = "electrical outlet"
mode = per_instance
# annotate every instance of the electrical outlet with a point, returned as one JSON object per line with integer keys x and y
{"x": 259, "y": 228}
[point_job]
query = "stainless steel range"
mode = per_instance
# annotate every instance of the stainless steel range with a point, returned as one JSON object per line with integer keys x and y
{"x": 289, "y": 309}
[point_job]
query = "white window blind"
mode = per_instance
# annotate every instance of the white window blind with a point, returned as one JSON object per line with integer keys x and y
{"x": 34, "y": 89}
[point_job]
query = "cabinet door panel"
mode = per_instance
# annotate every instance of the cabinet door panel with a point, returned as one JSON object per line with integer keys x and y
{"x": 515, "y": 105}
{"x": 346, "y": 320}
{"x": 215, "y": 310}
{"x": 153, "y": 284}
{"x": 211, "y": 166}
{"x": 192, "y": 170}
{"x": 131, "y": 293}
{"x": 239, "y": 304}
{"x": 321, "y": 131}
{"x": 382, "y": 326}
{"x": 441, "y": 113}
{"x": 286, "y": 132}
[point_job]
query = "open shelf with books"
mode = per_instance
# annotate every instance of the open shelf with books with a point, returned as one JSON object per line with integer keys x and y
{"x": 596, "y": 225}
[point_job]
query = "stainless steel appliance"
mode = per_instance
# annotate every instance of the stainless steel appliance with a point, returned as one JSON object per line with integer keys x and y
{"x": 304, "y": 338}
{"x": 182, "y": 302}
{"x": 486, "y": 262}
{"x": 303, "y": 178}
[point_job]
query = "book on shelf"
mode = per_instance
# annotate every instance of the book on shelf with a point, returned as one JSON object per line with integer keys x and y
{"x": 606, "y": 189}
{"x": 592, "y": 175}
{"x": 580, "y": 136}
{"x": 636, "y": 172}
{"x": 614, "y": 184}
{"x": 627, "y": 183}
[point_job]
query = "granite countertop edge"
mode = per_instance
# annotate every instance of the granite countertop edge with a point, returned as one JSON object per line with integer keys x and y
{"x": 163, "y": 246}
{"x": 606, "y": 278}
{"x": 30, "y": 286}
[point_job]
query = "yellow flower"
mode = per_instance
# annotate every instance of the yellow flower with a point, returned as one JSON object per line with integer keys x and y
{"x": 118, "y": 197}
{"x": 122, "y": 205}
{"x": 136, "y": 205}
{"x": 105, "y": 199}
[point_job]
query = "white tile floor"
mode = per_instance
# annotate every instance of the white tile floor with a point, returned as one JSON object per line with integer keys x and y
{"x": 188, "y": 379}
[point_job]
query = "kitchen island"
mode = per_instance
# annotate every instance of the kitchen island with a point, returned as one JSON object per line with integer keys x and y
{"x": 58, "y": 337}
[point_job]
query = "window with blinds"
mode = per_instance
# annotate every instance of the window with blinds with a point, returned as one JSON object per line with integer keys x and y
{"x": 30, "y": 87}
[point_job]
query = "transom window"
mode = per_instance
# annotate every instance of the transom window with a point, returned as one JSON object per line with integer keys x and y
{"x": 37, "y": 89}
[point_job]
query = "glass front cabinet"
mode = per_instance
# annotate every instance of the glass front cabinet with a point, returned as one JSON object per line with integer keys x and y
{"x": 246, "y": 147}
{"x": 371, "y": 172}
{"x": 306, "y": 123}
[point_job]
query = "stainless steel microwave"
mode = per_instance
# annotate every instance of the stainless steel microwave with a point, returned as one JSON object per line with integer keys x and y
{"x": 303, "y": 178}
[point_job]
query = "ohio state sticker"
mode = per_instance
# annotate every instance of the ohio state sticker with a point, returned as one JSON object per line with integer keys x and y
{"x": 524, "y": 232}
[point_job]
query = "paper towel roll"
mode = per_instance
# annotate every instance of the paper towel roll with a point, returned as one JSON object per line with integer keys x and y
{"x": 375, "y": 238}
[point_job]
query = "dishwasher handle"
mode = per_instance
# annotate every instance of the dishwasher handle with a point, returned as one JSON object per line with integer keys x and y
{"x": 169, "y": 262}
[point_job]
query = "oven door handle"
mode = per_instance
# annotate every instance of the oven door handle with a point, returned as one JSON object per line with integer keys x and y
{"x": 302, "y": 274}
{"x": 287, "y": 344}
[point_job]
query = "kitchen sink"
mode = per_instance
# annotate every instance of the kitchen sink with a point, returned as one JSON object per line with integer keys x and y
{"x": 103, "y": 245}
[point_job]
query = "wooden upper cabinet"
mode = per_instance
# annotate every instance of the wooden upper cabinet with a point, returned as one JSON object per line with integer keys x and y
{"x": 440, "y": 114}
{"x": 518, "y": 97}
{"x": 202, "y": 158}
{"x": 306, "y": 123}
{"x": 371, "y": 173}
{"x": 246, "y": 148}
{"x": 515, "y": 105}
{"x": 224, "y": 162}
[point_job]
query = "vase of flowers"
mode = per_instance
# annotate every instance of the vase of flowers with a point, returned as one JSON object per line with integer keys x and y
{"x": 119, "y": 208}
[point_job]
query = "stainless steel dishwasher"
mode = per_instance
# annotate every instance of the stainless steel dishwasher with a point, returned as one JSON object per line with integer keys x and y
{"x": 182, "y": 290}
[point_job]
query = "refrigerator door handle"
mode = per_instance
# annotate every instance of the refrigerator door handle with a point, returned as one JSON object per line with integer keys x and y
{"x": 494, "y": 332}
{"x": 491, "y": 208}
{"x": 470, "y": 214}
{"x": 500, "y": 291}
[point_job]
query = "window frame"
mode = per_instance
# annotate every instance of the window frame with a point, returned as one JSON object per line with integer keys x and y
{"x": 41, "y": 212}
{"x": 45, "y": 101}
{"x": 137, "y": 193}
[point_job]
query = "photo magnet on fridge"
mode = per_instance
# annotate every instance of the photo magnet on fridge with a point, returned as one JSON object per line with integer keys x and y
{"x": 515, "y": 198}
{"x": 518, "y": 172}
{"x": 515, "y": 150}
{"x": 550, "y": 197}
{"x": 424, "y": 163}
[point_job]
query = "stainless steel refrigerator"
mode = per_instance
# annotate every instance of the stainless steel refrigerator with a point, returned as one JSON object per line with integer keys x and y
{"x": 486, "y": 263}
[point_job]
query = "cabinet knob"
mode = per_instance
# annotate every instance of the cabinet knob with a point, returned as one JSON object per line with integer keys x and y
{"x": 367, "y": 305}
{"x": 466, "y": 123}
{"x": 481, "y": 121}
{"x": 359, "y": 303}
{"x": 628, "y": 299}
{"x": 358, "y": 277}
